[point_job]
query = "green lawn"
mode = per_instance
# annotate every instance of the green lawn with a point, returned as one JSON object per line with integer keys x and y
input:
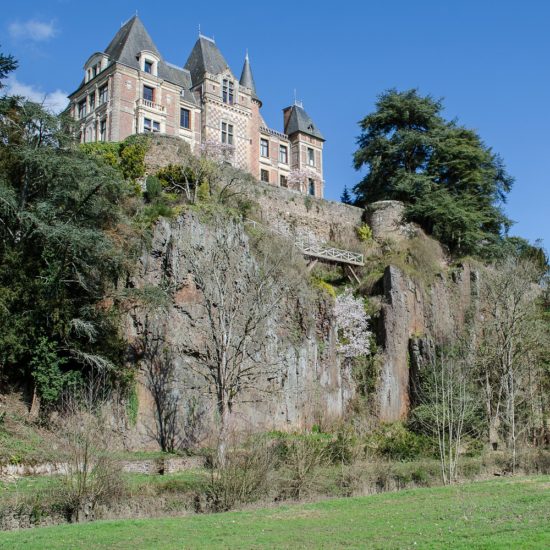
{"x": 507, "y": 513}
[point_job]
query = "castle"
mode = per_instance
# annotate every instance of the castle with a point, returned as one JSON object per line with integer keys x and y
{"x": 130, "y": 89}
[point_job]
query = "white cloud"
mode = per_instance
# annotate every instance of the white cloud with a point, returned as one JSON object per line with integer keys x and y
{"x": 54, "y": 101}
{"x": 34, "y": 30}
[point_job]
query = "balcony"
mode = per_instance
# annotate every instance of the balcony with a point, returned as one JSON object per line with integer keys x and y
{"x": 151, "y": 105}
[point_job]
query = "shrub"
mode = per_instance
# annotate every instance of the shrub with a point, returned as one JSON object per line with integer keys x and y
{"x": 132, "y": 157}
{"x": 325, "y": 287}
{"x": 395, "y": 442}
{"x": 243, "y": 478}
{"x": 303, "y": 456}
{"x": 109, "y": 152}
{"x": 364, "y": 233}
{"x": 153, "y": 188}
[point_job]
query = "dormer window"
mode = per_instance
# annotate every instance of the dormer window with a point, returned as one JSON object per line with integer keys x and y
{"x": 228, "y": 91}
{"x": 95, "y": 64}
{"x": 148, "y": 63}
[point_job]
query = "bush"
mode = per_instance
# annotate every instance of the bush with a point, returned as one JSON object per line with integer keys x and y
{"x": 132, "y": 157}
{"x": 243, "y": 478}
{"x": 153, "y": 188}
{"x": 395, "y": 442}
{"x": 303, "y": 457}
{"x": 364, "y": 233}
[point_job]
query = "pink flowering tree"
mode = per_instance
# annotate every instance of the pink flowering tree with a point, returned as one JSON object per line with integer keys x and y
{"x": 298, "y": 179}
{"x": 352, "y": 322}
{"x": 216, "y": 151}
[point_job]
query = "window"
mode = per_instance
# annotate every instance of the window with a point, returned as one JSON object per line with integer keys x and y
{"x": 311, "y": 188}
{"x": 91, "y": 99}
{"x": 82, "y": 109}
{"x": 184, "y": 118}
{"x": 148, "y": 66}
{"x": 284, "y": 181}
{"x": 310, "y": 156}
{"x": 151, "y": 125}
{"x": 103, "y": 94}
{"x": 264, "y": 176}
{"x": 227, "y": 91}
{"x": 94, "y": 71}
{"x": 148, "y": 93}
{"x": 264, "y": 147}
{"x": 103, "y": 130}
{"x": 227, "y": 133}
{"x": 283, "y": 154}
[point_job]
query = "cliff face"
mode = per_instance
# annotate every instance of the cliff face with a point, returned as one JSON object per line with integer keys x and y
{"x": 414, "y": 317}
{"x": 311, "y": 383}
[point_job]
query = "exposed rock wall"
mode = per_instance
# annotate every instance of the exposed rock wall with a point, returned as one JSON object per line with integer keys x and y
{"x": 322, "y": 220}
{"x": 311, "y": 384}
{"x": 415, "y": 315}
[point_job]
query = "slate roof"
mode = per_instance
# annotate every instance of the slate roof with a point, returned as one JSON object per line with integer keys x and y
{"x": 131, "y": 39}
{"x": 300, "y": 121}
{"x": 247, "y": 79}
{"x": 205, "y": 57}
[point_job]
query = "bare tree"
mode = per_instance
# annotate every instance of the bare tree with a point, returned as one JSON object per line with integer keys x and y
{"x": 446, "y": 407}
{"x": 512, "y": 338}
{"x": 93, "y": 473}
{"x": 240, "y": 294}
{"x": 177, "y": 423}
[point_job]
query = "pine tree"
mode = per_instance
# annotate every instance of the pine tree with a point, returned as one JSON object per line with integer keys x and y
{"x": 346, "y": 196}
{"x": 452, "y": 183}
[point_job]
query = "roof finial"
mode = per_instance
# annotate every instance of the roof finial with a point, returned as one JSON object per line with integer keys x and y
{"x": 246, "y": 55}
{"x": 136, "y": 13}
{"x": 199, "y": 29}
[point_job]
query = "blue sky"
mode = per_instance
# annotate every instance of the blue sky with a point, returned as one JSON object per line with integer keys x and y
{"x": 489, "y": 60}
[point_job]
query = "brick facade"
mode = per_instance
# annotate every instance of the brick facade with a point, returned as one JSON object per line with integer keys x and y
{"x": 129, "y": 89}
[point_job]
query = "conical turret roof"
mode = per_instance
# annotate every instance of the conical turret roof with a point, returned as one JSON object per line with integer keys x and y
{"x": 205, "y": 57}
{"x": 247, "y": 79}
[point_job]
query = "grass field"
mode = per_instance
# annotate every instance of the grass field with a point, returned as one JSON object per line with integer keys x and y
{"x": 506, "y": 513}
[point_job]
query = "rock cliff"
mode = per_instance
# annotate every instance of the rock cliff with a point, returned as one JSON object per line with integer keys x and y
{"x": 311, "y": 382}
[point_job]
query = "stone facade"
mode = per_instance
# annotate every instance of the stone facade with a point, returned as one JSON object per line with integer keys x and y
{"x": 130, "y": 89}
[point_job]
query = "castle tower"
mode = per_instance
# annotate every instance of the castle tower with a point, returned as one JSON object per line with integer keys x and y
{"x": 306, "y": 147}
{"x": 247, "y": 81}
{"x": 226, "y": 106}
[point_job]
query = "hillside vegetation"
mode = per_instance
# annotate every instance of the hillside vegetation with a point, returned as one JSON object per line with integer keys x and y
{"x": 142, "y": 310}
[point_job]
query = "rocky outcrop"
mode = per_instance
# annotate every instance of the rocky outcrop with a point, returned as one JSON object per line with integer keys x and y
{"x": 311, "y": 383}
{"x": 415, "y": 315}
{"x": 386, "y": 219}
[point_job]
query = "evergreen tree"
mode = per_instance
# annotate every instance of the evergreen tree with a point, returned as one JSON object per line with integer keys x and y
{"x": 452, "y": 183}
{"x": 7, "y": 65}
{"x": 62, "y": 249}
{"x": 346, "y": 196}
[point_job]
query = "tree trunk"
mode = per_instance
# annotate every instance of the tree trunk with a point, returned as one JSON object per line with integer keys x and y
{"x": 224, "y": 434}
{"x": 34, "y": 412}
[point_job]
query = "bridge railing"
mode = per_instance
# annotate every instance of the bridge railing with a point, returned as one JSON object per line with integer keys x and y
{"x": 319, "y": 251}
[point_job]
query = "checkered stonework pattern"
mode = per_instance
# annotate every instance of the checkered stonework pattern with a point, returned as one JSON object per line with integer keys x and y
{"x": 215, "y": 114}
{"x": 129, "y": 89}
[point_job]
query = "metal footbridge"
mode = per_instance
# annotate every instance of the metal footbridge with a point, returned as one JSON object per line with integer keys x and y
{"x": 318, "y": 251}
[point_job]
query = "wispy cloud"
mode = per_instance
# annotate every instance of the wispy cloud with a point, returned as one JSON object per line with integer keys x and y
{"x": 33, "y": 29}
{"x": 54, "y": 101}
